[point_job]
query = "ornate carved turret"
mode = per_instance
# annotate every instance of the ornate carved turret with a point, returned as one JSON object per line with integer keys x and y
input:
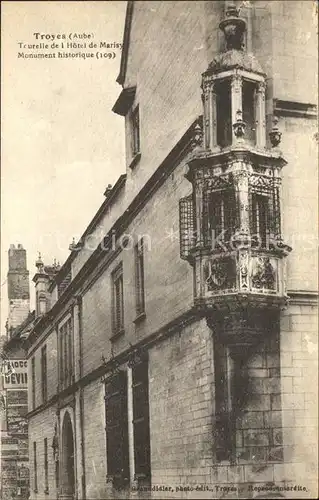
{"x": 231, "y": 229}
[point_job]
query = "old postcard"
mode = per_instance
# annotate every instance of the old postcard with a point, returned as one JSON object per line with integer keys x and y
{"x": 159, "y": 250}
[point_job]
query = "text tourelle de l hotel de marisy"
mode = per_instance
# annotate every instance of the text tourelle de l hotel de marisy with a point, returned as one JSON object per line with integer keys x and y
{"x": 80, "y": 45}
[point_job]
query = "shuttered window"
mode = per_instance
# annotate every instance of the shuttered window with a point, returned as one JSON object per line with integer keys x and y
{"x": 117, "y": 301}
{"x": 46, "y": 467}
{"x": 135, "y": 123}
{"x": 117, "y": 429}
{"x": 141, "y": 419}
{"x": 66, "y": 354}
{"x": 139, "y": 277}
{"x": 223, "y": 403}
{"x": 44, "y": 373}
{"x": 33, "y": 382}
{"x": 35, "y": 467}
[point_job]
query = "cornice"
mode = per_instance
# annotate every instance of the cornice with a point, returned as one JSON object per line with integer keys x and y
{"x": 101, "y": 211}
{"x": 303, "y": 297}
{"x": 295, "y": 109}
{"x": 162, "y": 333}
{"x": 238, "y": 152}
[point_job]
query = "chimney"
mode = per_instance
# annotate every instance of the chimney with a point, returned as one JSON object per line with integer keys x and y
{"x": 18, "y": 288}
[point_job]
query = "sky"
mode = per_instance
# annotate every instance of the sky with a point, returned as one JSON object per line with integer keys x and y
{"x": 61, "y": 144}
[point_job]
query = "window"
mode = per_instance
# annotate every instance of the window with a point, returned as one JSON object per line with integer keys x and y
{"x": 41, "y": 303}
{"x": 221, "y": 217}
{"x": 117, "y": 429}
{"x": 249, "y": 110}
{"x": 35, "y": 467}
{"x": 139, "y": 277}
{"x": 44, "y": 373}
{"x": 46, "y": 469}
{"x": 64, "y": 283}
{"x": 224, "y": 430}
{"x": 187, "y": 235}
{"x": 223, "y": 109}
{"x": 66, "y": 354}
{"x": 117, "y": 301}
{"x": 33, "y": 382}
{"x": 141, "y": 429}
{"x": 260, "y": 220}
{"x": 135, "y": 125}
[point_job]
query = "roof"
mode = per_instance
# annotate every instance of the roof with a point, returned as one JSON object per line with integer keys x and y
{"x": 235, "y": 59}
{"x": 111, "y": 196}
{"x": 16, "y": 336}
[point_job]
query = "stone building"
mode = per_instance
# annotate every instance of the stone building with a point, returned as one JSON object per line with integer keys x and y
{"x": 13, "y": 380}
{"x": 179, "y": 356}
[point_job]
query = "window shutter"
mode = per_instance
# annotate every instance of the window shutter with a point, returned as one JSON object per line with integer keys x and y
{"x": 117, "y": 427}
{"x": 141, "y": 419}
{"x": 186, "y": 225}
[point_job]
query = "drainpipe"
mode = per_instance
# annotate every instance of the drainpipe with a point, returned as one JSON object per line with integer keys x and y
{"x": 83, "y": 482}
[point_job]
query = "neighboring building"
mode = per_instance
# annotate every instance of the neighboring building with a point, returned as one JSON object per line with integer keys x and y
{"x": 181, "y": 352}
{"x": 13, "y": 381}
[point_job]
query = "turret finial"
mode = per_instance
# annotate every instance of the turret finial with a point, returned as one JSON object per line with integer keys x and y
{"x": 39, "y": 263}
{"x": 234, "y": 28}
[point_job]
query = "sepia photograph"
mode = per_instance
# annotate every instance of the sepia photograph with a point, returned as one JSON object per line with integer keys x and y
{"x": 159, "y": 250}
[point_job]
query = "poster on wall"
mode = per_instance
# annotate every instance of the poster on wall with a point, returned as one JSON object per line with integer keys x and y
{"x": 15, "y": 374}
{"x": 17, "y": 397}
{"x": 17, "y": 425}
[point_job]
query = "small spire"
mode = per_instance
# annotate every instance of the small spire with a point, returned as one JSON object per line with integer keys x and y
{"x": 56, "y": 265}
{"x": 39, "y": 263}
{"x": 72, "y": 245}
{"x": 108, "y": 190}
{"x": 197, "y": 139}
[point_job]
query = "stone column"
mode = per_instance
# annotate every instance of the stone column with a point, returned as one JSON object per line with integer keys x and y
{"x": 130, "y": 425}
{"x": 260, "y": 115}
{"x": 199, "y": 188}
{"x": 241, "y": 181}
{"x": 213, "y": 116}
{"x": 206, "y": 114}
